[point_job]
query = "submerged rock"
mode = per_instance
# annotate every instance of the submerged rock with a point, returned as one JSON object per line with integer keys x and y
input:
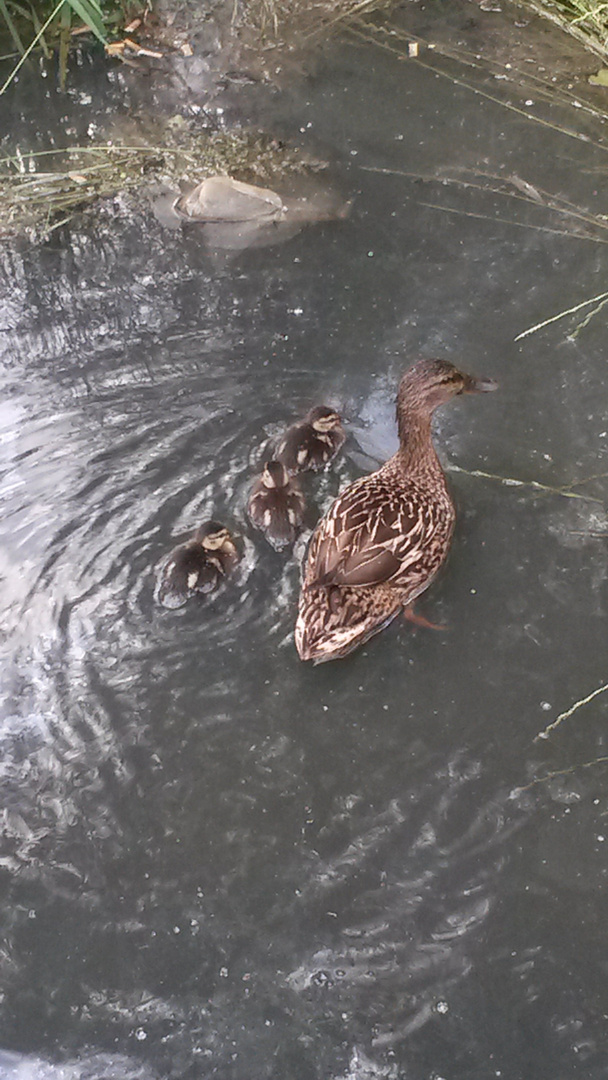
{"x": 234, "y": 215}
{"x": 220, "y": 198}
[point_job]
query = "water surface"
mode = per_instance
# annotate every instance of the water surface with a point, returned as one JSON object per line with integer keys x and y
{"x": 218, "y": 861}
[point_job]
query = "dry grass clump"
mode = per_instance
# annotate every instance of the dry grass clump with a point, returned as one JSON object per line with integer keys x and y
{"x": 51, "y": 24}
{"x": 299, "y": 20}
{"x": 586, "y": 20}
{"x": 41, "y": 191}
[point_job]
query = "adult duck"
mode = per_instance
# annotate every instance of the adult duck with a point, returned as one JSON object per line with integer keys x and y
{"x": 386, "y": 536}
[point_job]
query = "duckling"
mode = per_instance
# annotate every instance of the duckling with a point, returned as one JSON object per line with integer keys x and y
{"x": 198, "y": 566}
{"x": 385, "y": 537}
{"x": 313, "y": 442}
{"x": 277, "y": 505}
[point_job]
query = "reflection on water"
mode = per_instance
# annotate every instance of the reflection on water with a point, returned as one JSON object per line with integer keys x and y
{"x": 216, "y": 862}
{"x": 95, "y": 1067}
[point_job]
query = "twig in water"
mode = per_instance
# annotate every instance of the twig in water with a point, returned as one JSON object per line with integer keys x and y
{"x": 509, "y": 481}
{"x": 540, "y": 86}
{"x": 565, "y": 715}
{"x": 561, "y": 315}
{"x": 588, "y": 479}
{"x": 570, "y": 132}
{"x": 545, "y": 199}
{"x": 557, "y": 772}
{"x": 519, "y": 224}
{"x": 32, "y": 45}
{"x": 348, "y": 13}
{"x": 590, "y": 315}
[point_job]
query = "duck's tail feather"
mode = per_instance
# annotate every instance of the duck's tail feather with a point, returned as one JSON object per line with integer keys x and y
{"x": 335, "y": 620}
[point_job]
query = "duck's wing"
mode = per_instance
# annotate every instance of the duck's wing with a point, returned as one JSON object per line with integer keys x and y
{"x": 370, "y": 536}
{"x": 257, "y": 504}
{"x": 296, "y": 505}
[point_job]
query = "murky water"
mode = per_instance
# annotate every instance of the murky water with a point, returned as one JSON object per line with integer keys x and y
{"x": 217, "y": 861}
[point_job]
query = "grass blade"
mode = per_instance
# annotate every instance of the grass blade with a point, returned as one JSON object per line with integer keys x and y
{"x": 37, "y": 28}
{"x": 31, "y": 46}
{"x": 560, "y": 315}
{"x": 91, "y": 15}
{"x": 64, "y": 43}
{"x": 12, "y": 29}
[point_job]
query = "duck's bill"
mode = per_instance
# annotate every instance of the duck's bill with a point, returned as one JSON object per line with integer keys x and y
{"x": 479, "y": 386}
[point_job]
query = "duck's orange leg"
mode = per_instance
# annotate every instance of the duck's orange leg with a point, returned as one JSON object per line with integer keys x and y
{"x": 419, "y": 620}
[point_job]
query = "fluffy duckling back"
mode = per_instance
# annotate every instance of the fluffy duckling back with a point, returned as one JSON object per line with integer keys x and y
{"x": 385, "y": 537}
{"x": 277, "y": 505}
{"x": 198, "y": 566}
{"x": 312, "y": 443}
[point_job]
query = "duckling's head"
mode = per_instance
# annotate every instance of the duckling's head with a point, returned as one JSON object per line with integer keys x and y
{"x": 215, "y": 537}
{"x": 274, "y": 475}
{"x": 430, "y": 383}
{"x": 323, "y": 419}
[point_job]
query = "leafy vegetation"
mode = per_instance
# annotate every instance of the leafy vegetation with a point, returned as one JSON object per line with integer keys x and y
{"x": 30, "y": 24}
{"x": 586, "y": 20}
{"x": 41, "y": 191}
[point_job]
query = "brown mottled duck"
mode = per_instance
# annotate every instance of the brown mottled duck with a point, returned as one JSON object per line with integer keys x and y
{"x": 386, "y": 536}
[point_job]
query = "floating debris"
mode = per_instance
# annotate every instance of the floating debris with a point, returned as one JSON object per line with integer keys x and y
{"x": 599, "y": 299}
{"x": 544, "y": 734}
{"x": 220, "y": 198}
{"x": 601, "y": 79}
{"x": 235, "y": 215}
{"x": 40, "y": 191}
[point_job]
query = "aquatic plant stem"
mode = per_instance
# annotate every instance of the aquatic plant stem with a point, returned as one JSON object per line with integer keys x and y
{"x": 544, "y": 200}
{"x": 31, "y": 46}
{"x": 591, "y": 315}
{"x": 561, "y": 315}
{"x": 536, "y": 484}
{"x": 569, "y": 27}
{"x": 569, "y": 712}
{"x": 12, "y": 29}
{"x": 557, "y": 772}
{"x": 518, "y": 224}
{"x": 570, "y": 133}
{"x": 343, "y": 16}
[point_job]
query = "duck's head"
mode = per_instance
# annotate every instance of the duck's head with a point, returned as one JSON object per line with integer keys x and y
{"x": 274, "y": 475}
{"x": 323, "y": 419}
{"x": 430, "y": 383}
{"x": 215, "y": 537}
